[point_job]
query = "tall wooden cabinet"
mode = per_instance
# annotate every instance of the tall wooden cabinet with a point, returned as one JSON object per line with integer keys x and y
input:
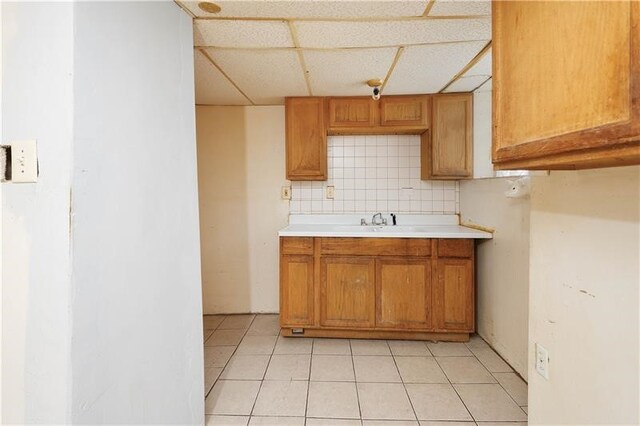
{"x": 566, "y": 84}
{"x": 405, "y": 288}
{"x": 447, "y": 150}
{"x": 306, "y": 138}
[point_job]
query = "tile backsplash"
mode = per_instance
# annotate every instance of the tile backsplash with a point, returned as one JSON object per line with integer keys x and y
{"x": 379, "y": 173}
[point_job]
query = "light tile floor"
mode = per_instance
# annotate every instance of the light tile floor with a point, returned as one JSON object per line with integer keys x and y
{"x": 254, "y": 376}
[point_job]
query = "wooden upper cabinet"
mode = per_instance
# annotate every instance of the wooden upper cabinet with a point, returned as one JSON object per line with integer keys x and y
{"x": 410, "y": 111}
{"x": 566, "y": 84}
{"x": 447, "y": 150}
{"x": 352, "y": 112}
{"x": 306, "y": 138}
{"x": 391, "y": 114}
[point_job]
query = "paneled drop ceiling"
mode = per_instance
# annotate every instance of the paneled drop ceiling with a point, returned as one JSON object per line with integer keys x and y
{"x": 258, "y": 52}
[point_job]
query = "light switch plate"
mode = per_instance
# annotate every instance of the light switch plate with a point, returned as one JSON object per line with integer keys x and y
{"x": 24, "y": 161}
{"x": 285, "y": 192}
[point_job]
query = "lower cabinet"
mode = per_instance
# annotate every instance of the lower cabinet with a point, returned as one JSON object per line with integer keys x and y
{"x": 342, "y": 287}
{"x": 403, "y": 287}
{"x": 347, "y": 292}
{"x": 454, "y": 295}
{"x": 296, "y": 290}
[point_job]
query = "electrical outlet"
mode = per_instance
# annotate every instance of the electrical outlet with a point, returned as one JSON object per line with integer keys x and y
{"x": 542, "y": 361}
{"x": 24, "y": 161}
{"x": 331, "y": 190}
{"x": 285, "y": 192}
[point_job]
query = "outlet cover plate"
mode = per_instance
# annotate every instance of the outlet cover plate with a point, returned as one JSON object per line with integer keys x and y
{"x": 285, "y": 193}
{"x": 331, "y": 191}
{"x": 542, "y": 361}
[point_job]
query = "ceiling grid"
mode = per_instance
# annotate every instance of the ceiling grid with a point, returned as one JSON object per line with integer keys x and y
{"x": 261, "y": 47}
{"x": 303, "y": 64}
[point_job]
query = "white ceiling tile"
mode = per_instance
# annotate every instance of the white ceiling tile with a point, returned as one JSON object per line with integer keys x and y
{"x": 475, "y": 76}
{"x": 460, "y": 8}
{"x": 312, "y": 9}
{"x": 325, "y": 34}
{"x": 345, "y": 72}
{"x": 220, "y": 33}
{"x": 266, "y": 76}
{"x": 427, "y": 69}
{"x": 486, "y": 87}
{"x": 212, "y": 87}
{"x": 482, "y": 67}
{"x": 467, "y": 84}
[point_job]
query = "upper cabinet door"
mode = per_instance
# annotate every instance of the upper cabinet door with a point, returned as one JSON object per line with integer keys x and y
{"x": 566, "y": 84}
{"x": 405, "y": 111}
{"x": 352, "y": 112}
{"x": 448, "y": 154}
{"x": 306, "y": 138}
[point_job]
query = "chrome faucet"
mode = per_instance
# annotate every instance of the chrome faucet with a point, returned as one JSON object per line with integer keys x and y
{"x": 382, "y": 221}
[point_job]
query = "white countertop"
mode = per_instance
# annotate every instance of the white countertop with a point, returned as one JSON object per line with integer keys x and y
{"x": 408, "y": 226}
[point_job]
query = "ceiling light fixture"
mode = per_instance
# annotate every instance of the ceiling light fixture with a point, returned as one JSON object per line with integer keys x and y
{"x": 376, "y": 84}
{"x": 209, "y": 7}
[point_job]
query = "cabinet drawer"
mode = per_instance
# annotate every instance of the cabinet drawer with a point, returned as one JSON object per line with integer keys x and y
{"x": 376, "y": 246}
{"x": 296, "y": 245}
{"x": 455, "y": 248}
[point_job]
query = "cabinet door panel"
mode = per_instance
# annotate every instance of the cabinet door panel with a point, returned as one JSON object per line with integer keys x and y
{"x": 352, "y": 112}
{"x": 405, "y": 111}
{"x": 347, "y": 292}
{"x": 296, "y": 290}
{"x": 451, "y": 143}
{"x": 403, "y": 293}
{"x": 566, "y": 84}
{"x": 306, "y": 139}
{"x": 454, "y": 295}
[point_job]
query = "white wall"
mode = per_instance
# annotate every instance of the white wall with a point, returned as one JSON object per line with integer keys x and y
{"x": 241, "y": 170}
{"x": 137, "y": 333}
{"x": 584, "y": 289}
{"x": 101, "y": 279}
{"x": 502, "y": 264}
{"x": 502, "y": 267}
{"x": 482, "y": 132}
{"x": 37, "y": 59}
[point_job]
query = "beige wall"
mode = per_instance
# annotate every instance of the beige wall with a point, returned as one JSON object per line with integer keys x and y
{"x": 240, "y": 172}
{"x": 502, "y": 263}
{"x": 584, "y": 279}
{"x": 502, "y": 267}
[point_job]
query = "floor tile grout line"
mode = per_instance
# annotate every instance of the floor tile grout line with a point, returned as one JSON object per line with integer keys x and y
{"x": 454, "y": 388}
{"x": 231, "y": 356}
{"x": 264, "y": 373}
{"x": 463, "y": 403}
{"x": 510, "y": 396}
{"x": 355, "y": 382}
{"x": 306, "y": 401}
{"x": 225, "y": 364}
{"x": 404, "y": 386}
{"x": 491, "y": 373}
